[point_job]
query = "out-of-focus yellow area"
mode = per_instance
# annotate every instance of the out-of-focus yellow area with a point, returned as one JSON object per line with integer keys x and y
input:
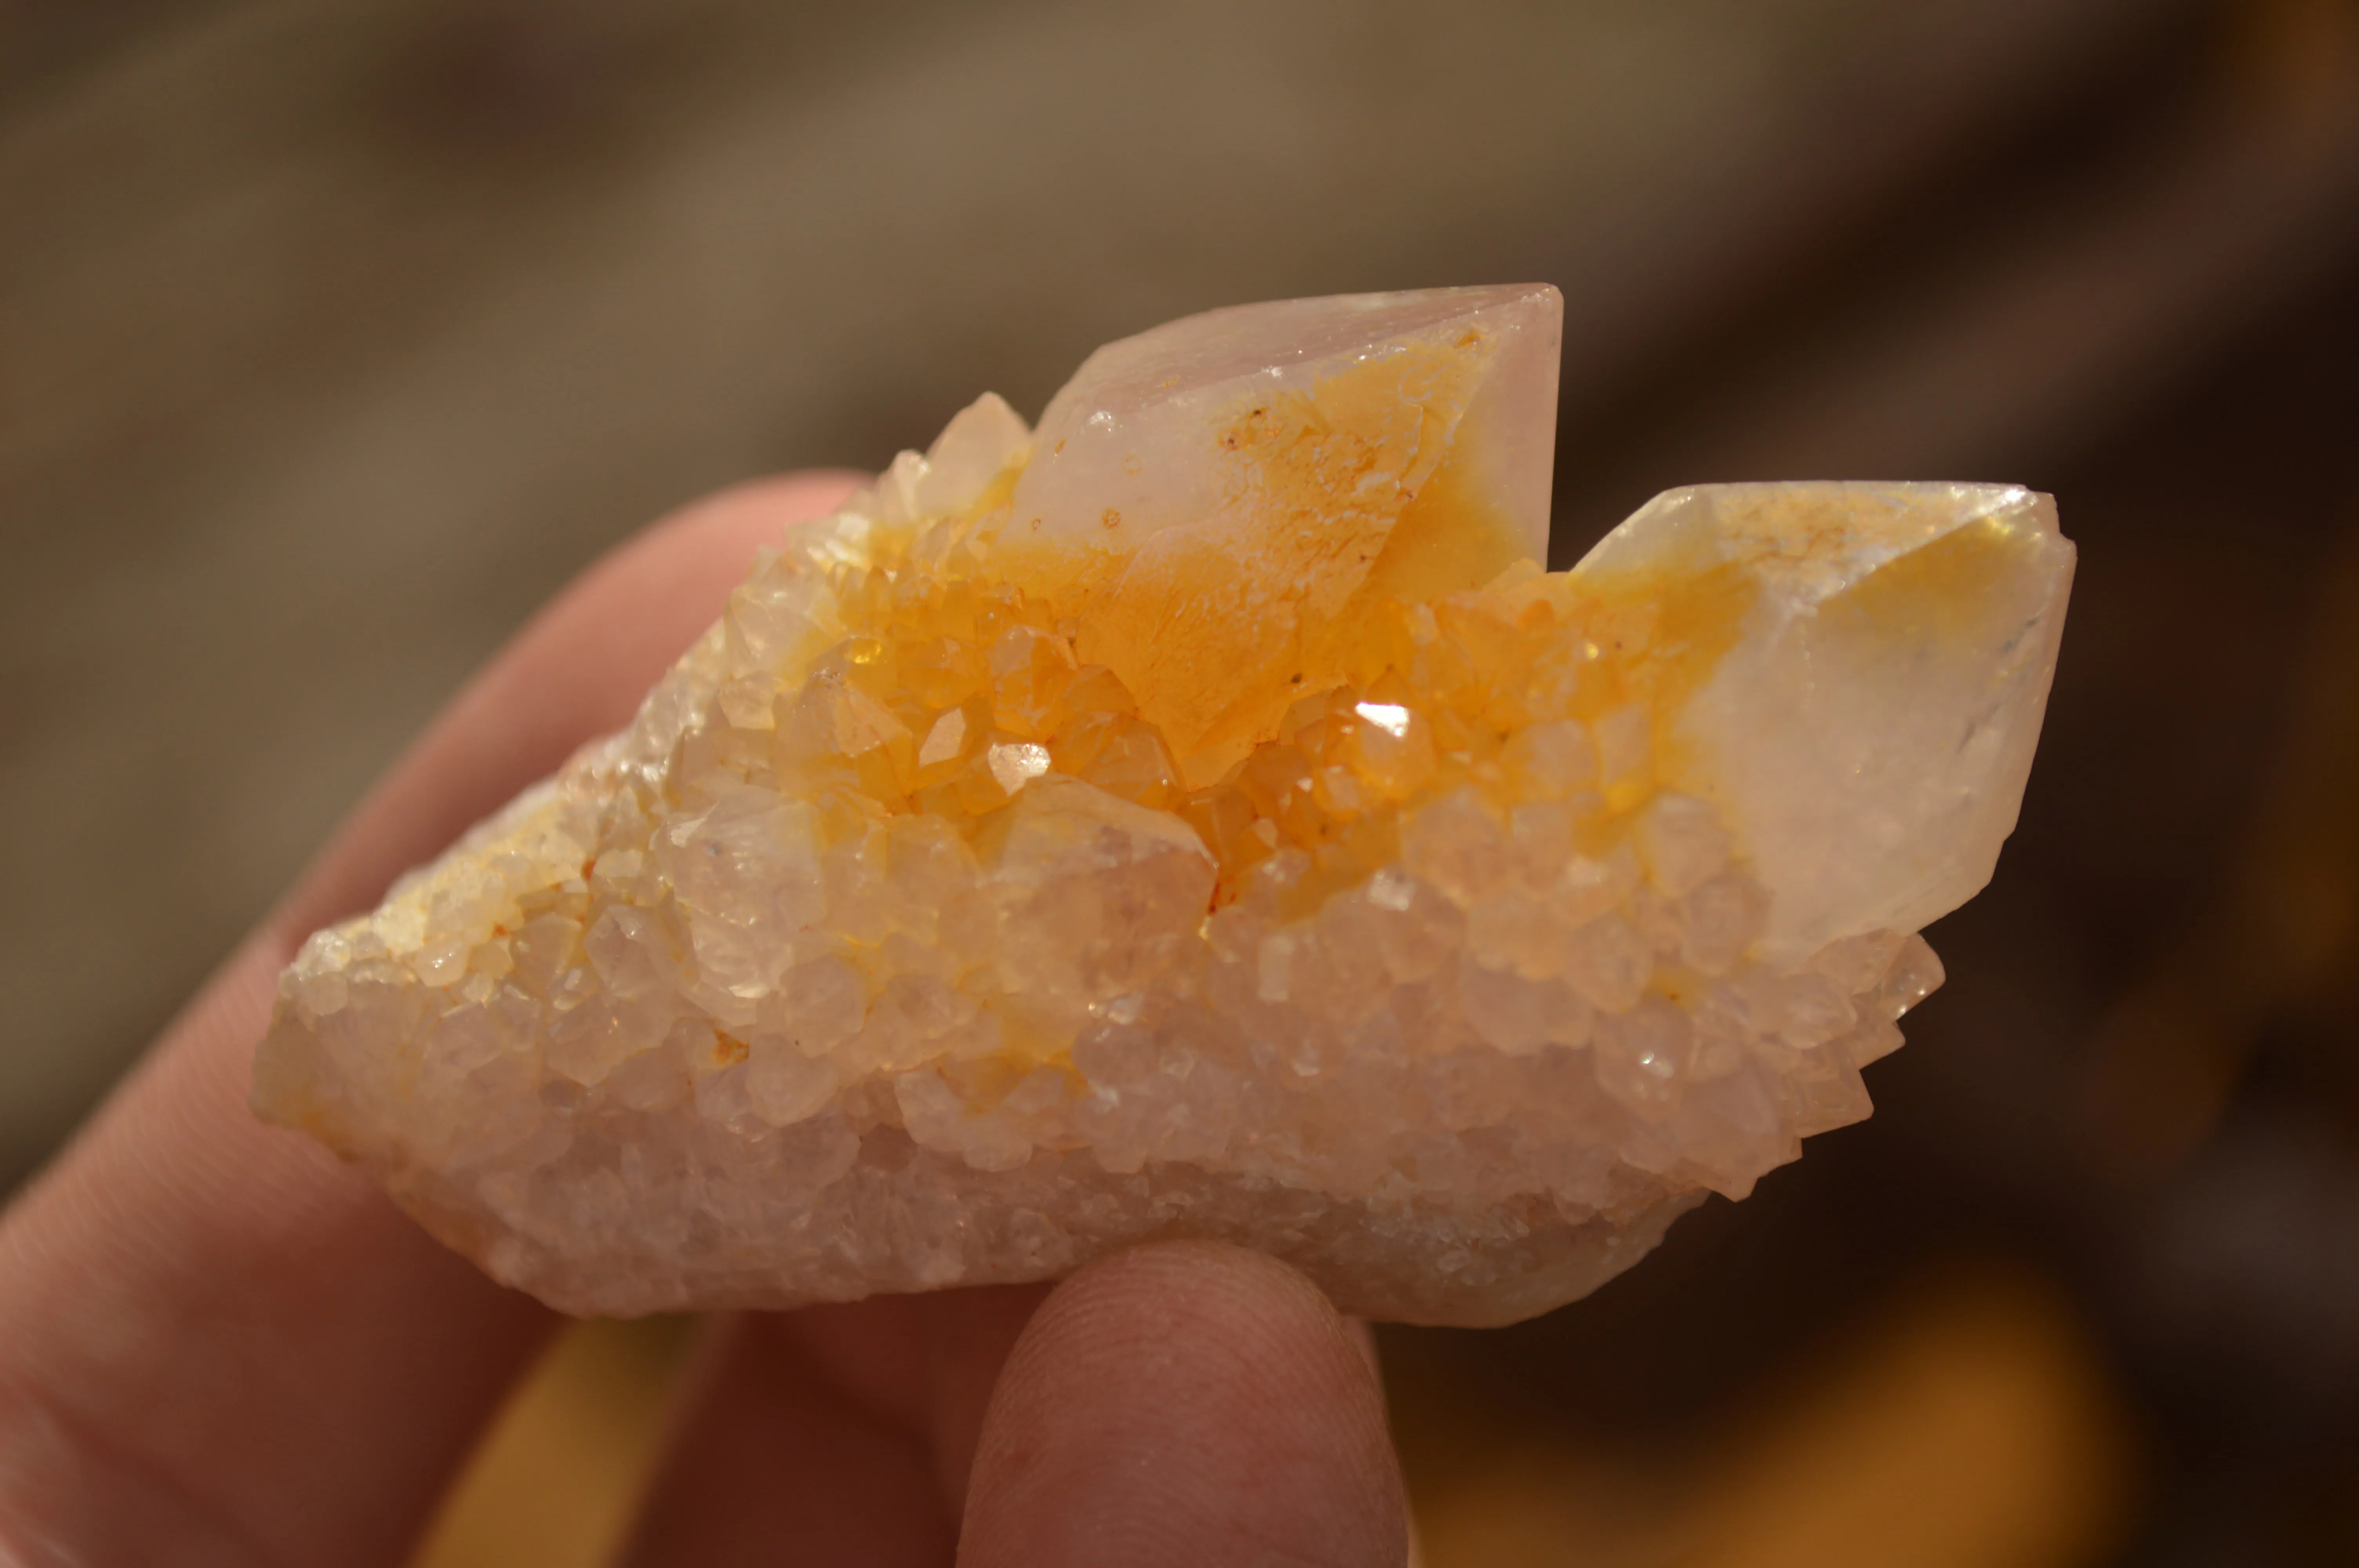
{"x": 557, "y": 1476}
{"x": 1966, "y": 1423}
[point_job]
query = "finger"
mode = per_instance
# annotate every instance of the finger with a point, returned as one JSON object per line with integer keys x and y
{"x": 1188, "y": 1403}
{"x": 217, "y": 1345}
{"x": 927, "y": 1362}
{"x": 903, "y": 1378}
{"x": 775, "y": 1464}
{"x": 974, "y": 1334}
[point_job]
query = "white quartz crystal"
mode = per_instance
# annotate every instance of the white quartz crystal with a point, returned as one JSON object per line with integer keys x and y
{"x": 1870, "y": 739}
{"x": 1205, "y": 819}
{"x": 1238, "y": 436}
{"x": 1124, "y": 437}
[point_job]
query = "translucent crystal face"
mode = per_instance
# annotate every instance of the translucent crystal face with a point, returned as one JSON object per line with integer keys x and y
{"x": 1288, "y": 859}
{"x": 1348, "y": 448}
{"x": 1869, "y": 735}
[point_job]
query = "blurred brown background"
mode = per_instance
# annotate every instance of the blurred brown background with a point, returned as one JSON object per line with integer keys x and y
{"x": 335, "y": 336}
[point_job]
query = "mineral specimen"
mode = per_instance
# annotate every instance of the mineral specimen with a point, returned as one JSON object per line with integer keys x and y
{"x": 1202, "y": 817}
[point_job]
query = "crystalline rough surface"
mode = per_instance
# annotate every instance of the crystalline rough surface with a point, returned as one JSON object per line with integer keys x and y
{"x": 1205, "y": 820}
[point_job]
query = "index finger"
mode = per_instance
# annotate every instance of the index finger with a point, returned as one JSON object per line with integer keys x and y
{"x": 216, "y": 1344}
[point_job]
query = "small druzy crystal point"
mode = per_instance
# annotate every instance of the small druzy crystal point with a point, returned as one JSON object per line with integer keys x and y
{"x": 1205, "y": 817}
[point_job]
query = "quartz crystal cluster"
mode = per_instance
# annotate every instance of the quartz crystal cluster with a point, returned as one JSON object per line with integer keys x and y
{"x": 1202, "y": 817}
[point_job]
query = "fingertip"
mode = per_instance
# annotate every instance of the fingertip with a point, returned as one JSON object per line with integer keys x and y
{"x": 1187, "y": 1402}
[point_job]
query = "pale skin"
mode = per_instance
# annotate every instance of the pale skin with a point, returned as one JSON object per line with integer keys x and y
{"x": 220, "y": 1348}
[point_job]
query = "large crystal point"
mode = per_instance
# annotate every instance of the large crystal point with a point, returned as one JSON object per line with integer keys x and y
{"x": 1350, "y": 448}
{"x": 1207, "y": 820}
{"x": 1869, "y": 730}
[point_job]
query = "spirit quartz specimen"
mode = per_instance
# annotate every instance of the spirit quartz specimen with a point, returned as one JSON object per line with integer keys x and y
{"x": 1201, "y": 816}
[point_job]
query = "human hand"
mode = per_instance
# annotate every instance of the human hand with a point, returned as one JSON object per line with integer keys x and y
{"x": 218, "y": 1347}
